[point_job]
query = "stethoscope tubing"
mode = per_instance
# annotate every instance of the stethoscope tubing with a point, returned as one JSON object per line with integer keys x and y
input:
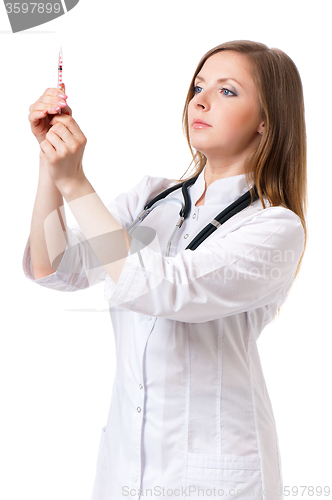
{"x": 232, "y": 209}
{"x": 237, "y": 206}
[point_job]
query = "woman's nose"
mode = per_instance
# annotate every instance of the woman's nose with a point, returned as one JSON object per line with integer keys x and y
{"x": 202, "y": 101}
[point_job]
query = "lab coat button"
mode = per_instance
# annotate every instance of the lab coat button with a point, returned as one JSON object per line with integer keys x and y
{"x": 148, "y": 318}
{"x": 134, "y": 479}
{"x": 138, "y": 409}
{"x": 140, "y": 386}
{"x": 194, "y": 215}
{"x": 186, "y": 235}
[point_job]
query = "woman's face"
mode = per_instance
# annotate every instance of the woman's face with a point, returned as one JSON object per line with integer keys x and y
{"x": 226, "y": 99}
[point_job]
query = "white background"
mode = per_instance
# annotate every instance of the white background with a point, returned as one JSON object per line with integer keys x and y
{"x": 127, "y": 68}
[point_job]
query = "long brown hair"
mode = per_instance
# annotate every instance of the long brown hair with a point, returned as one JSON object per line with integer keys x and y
{"x": 278, "y": 166}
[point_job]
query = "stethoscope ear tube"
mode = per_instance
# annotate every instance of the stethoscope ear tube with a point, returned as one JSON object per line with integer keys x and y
{"x": 184, "y": 185}
{"x": 185, "y": 209}
{"x": 187, "y": 201}
{"x": 234, "y": 208}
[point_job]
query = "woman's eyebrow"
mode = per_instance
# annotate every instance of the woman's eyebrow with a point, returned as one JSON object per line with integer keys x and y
{"x": 220, "y": 80}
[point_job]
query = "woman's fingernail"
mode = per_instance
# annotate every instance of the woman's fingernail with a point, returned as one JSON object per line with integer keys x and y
{"x": 63, "y": 96}
{"x": 62, "y": 103}
{"x": 55, "y": 108}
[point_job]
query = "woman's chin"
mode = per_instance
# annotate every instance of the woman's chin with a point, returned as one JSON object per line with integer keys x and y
{"x": 198, "y": 146}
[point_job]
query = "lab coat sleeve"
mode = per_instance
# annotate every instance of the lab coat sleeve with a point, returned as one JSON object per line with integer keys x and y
{"x": 79, "y": 268}
{"x": 250, "y": 267}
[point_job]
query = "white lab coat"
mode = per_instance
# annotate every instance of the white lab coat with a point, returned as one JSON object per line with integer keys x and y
{"x": 189, "y": 407}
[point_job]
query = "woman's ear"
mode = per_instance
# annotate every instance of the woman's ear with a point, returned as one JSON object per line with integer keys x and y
{"x": 260, "y": 129}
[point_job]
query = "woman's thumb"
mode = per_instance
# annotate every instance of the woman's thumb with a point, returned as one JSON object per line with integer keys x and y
{"x": 63, "y": 87}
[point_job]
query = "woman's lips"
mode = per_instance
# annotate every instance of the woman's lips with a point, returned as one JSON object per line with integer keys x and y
{"x": 200, "y": 124}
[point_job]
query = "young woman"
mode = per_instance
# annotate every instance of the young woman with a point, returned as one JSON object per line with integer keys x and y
{"x": 190, "y": 413}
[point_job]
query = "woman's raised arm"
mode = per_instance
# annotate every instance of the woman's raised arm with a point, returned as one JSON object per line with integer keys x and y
{"x": 48, "y": 197}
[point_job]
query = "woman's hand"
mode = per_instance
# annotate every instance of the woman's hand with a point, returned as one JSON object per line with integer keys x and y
{"x": 42, "y": 110}
{"x": 62, "y": 150}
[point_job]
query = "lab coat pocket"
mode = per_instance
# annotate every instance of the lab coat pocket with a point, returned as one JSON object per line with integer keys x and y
{"x": 231, "y": 473}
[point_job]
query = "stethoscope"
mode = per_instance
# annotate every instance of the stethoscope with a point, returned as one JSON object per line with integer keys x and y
{"x": 237, "y": 206}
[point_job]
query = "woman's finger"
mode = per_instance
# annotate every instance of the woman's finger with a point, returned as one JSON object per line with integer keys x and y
{"x": 70, "y": 123}
{"x": 57, "y": 143}
{"x": 48, "y": 150}
{"x": 62, "y": 132}
{"x": 52, "y": 107}
{"x": 46, "y": 101}
{"x": 35, "y": 116}
{"x": 51, "y": 92}
{"x": 67, "y": 110}
{"x": 38, "y": 114}
{"x": 48, "y": 105}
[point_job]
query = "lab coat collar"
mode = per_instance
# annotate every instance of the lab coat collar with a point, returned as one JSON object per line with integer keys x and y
{"x": 225, "y": 190}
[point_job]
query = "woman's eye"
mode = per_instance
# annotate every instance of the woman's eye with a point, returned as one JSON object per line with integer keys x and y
{"x": 196, "y": 87}
{"x": 226, "y": 90}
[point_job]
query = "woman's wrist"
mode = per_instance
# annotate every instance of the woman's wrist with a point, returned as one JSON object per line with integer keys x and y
{"x": 75, "y": 188}
{"x": 43, "y": 163}
{"x": 45, "y": 179}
